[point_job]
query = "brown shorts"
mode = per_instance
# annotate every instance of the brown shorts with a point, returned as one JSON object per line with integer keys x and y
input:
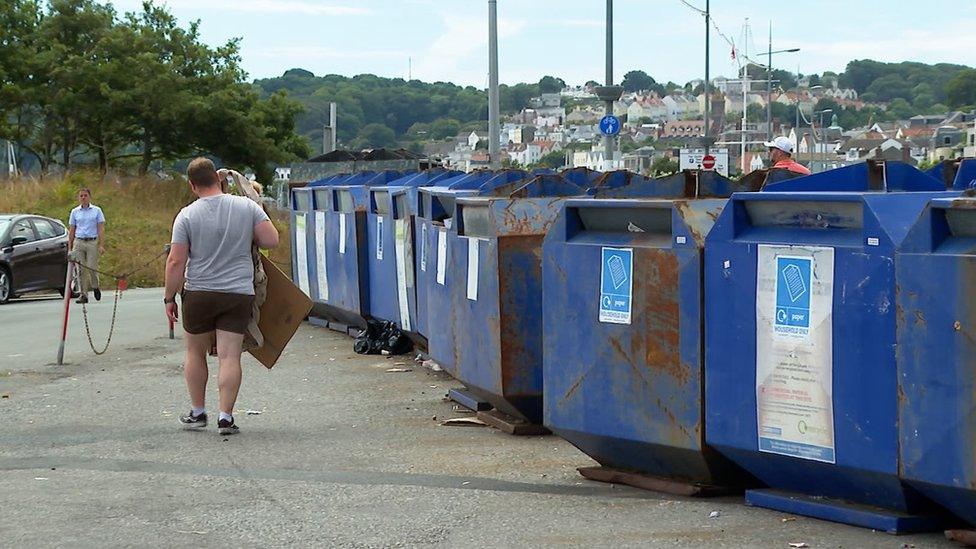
{"x": 204, "y": 312}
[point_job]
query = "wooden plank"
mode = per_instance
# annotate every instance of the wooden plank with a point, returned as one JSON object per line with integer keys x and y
{"x": 511, "y": 425}
{"x": 652, "y": 483}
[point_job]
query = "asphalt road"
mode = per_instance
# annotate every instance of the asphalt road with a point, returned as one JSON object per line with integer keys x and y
{"x": 343, "y": 453}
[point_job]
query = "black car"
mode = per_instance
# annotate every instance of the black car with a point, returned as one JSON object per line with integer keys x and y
{"x": 33, "y": 255}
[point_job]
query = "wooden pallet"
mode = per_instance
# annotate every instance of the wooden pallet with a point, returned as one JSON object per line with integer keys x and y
{"x": 966, "y": 537}
{"x": 652, "y": 483}
{"x": 512, "y": 425}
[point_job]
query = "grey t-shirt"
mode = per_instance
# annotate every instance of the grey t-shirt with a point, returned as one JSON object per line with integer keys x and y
{"x": 219, "y": 231}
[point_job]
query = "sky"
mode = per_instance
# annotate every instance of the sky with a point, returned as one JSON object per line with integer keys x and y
{"x": 446, "y": 40}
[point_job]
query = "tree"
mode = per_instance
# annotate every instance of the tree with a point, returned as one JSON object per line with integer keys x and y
{"x": 900, "y": 109}
{"x": 664, "y": 166}
{"x": 550, "y": 84}
{"x": 554, "y": 159}
{"x": 640, "y": 81}
{"x": 376, "y": 136}
{"x": 961, "y": 90}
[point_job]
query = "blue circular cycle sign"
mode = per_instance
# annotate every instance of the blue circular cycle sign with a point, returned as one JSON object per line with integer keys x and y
{"x": 609, "y": 125}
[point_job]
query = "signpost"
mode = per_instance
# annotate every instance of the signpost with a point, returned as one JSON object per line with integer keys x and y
{"x": 609, "y": 125}
{"x": 696, "y": 159}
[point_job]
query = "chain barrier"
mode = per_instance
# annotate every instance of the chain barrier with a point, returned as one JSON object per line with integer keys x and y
{"x": 120, "y": 286}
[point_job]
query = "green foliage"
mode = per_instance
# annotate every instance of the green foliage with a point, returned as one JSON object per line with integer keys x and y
{"x": 80, "y": 84}
{"x": 641, "y": 81}
{"x": 961, "y": 90}
{"x": 407, "y": 108}
{"x": 887, "y": 81}
{"x": 551, "y": 84}
{"x": 554, "y": 159}
{"x": 664, "y": 166}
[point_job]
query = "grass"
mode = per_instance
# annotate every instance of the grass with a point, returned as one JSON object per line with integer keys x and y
{"x": 139, "y": 217}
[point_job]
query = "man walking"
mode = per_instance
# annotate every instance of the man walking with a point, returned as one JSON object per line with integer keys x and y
{"x": 86, "y": 240}
{"x": 781, "y": 156}
{"x": 210, "y": 258}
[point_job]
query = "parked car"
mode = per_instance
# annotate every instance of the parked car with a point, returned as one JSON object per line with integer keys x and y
{"x": 33, "y": 255}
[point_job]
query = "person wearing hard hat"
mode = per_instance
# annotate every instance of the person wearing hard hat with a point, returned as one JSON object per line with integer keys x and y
{"x": 781, "y": 156}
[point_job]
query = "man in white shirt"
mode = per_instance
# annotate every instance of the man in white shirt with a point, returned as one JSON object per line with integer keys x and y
{"x": 86, "y": 240}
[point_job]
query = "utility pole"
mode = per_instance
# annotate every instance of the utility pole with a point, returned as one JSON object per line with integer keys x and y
{"x": 769, "y": 87}
{"x": 708, "y": 93}
{"x": 494, "y": 148}
{"x": 608, "y": 139}
{"x": 745, "y": 96}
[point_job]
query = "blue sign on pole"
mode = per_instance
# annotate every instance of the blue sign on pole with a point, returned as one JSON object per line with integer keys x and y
{"x": 616, "y": 285}
{"x": 609, "y": 125}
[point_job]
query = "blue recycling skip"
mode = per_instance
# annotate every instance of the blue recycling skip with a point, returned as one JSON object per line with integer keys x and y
{"x": 497, "y": 292}
{"x": 435, "y": 277}
{"x": 623, "y": 312}
{"x": 302, "y": 207}
{"x": 800, "y": 371}
{"x": 315, "y": 244}
{"x": 347, "y": 275}
{"x": 937, "y": 355}
{"x": 389, "y": 230}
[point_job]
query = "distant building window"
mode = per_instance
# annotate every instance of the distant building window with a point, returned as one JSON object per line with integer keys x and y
{"x": 946, "y": 140}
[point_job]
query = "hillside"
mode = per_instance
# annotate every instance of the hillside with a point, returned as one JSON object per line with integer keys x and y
{"x": 383, "y": 112}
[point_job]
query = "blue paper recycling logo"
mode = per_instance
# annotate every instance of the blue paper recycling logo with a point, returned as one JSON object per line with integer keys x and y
{"x": 616, "y": 285}
{"x": 793, "y": 285}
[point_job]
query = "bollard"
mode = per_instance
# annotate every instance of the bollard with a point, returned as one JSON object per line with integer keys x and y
{"x": 67, "y": 304}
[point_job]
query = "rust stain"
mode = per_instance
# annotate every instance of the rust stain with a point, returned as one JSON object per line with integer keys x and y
{"x": 575, "y": 386}
{"x": 516, "y": 355}
{"x": 659, "y": 306}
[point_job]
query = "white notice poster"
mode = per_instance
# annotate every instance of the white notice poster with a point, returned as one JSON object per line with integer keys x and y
{"x": 473, "y": 269}
{"x": 794, "y": 351}
{"x": 379, "y": 239}
{"x": 342, "y": 233}
{"x": 441, "y": 255}
{"x": 404, "y": 269}
{"x": 323, "y": 282}
{"x": 301, "y": 252}
{"x": 423, "y": 247}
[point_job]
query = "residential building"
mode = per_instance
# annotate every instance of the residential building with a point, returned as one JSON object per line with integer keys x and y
{"x": 641, "y": 160}
{"x": 681, "y": 107}
{"x": 650, "y": 107}
{"x": 684, "y": 128}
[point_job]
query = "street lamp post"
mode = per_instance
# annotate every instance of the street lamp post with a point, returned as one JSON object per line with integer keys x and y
{"x": 769, "y": 82}
{"x": 494, "y": 147}
{"x": 708, "y": 93}
{"x": 823, "y": 141}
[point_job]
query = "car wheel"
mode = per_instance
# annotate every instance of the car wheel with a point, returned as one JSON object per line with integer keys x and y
{"x": 6, "y": 286}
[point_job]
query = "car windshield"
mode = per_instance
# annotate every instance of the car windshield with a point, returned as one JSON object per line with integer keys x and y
{"x": 4, "y": 221}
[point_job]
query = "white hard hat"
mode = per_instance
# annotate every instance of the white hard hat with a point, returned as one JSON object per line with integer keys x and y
{"x": 782, "y": 143}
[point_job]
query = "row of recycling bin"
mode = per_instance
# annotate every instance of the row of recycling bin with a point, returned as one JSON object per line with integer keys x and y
{"x": 812, "y": 343}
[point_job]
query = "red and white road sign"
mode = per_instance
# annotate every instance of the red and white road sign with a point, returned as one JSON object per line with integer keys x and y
{"x": 708, "y": 162}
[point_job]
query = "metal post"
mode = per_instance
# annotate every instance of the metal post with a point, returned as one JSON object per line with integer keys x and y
{"x": 608, "y": 139}
{"x": 329, "y": 136}
{"x": 708, "y": 94}
{"x": 769, "y": 87}
{"x": 494, "y": 148}
{"x": 67, "y": 306}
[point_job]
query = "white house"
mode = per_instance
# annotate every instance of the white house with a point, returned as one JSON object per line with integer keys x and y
{"x": 681, "y": 107}
{"x": 651, "y": 107}
{"x": 283, "y": 173}
{"x": 525, "y": 154}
